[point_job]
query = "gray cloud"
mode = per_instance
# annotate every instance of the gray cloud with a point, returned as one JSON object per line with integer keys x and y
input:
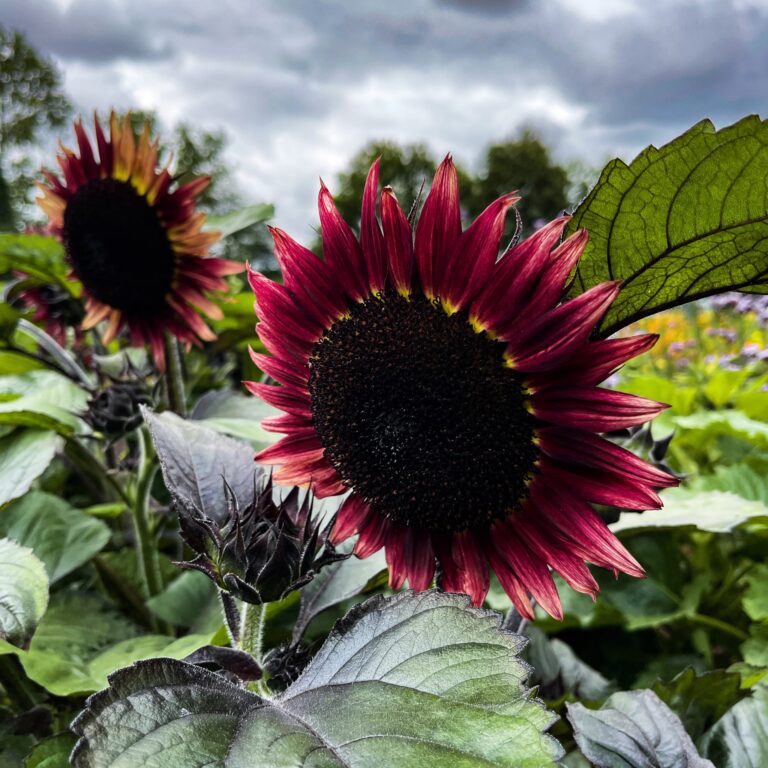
{"x": 95, "y": 31}
{"x": 300, "y": 86}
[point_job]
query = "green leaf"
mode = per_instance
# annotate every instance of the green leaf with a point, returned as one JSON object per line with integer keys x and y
{"x": 716, "y": 511}
{"x": 237, "y": 415}
{"x": 52, "y": 752}
{"x": 756, "y": 594}
{"x": 183, "y": 601}
{"x": 740, "y": 479}
{"x": 727, "y": 422}
{"x": 680, "y": 222}
{"x": 24, "y": 455}
{"x": 700, "y": 700}
{"x": 412, "y": 680}
{"x": 61, "y": 536}
{"x": 235, "y": 221}
{"x": 23, "y": 593}
{"x": 336, "y": 583}
{"x": 82, "y": 639}
{"x": 634, "y": 729}
{"x": 42, "y": 399}
{"x": 740, "y": 738}
{"x": 37, "y": 255}
{"x": 755, "y": 649}
{"x": 195, "y": 461}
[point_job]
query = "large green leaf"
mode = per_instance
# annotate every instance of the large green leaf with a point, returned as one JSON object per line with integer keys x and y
{"x": 52, "y": 752}
{"x": 23, "y": 593}
{"x": 60, "y": 535}
{"x": 756, "y": 593}
{"x": 24, "y": 456}
{"x": 740, "y": 738}
{"x": 81, "y": 640}
{"x": 634, "y": 729}
{"x": 716, "y": 511}
{"x": 415, "y": 680}
{"x": 184, "y": 600}
{"x": 680, "y": 222}
{"x": 740, "y": 479}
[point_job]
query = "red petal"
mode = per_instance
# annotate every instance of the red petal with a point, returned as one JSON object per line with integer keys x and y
{"x": 602, "y": 487}
{"x": 597, "y": 361}
{"x": 397, "y": 538}
{"x": 514, "y": 588}
{"x": 295, "y": 374}
{"x": 439, "y": 227}
{"x": 531, "y": 571}
{"x": 564, "y": 259}
{"x": 419, "y": 560}
{"x": 398, "y": 239}
{"x": 296, "y": 446}
{"x": 351, "y": 516}
{"x": 514, "y": 279}
{"x": 341, "y": 249}
{"x": 475, "y": 256}
{"x": 578, "y": 522}
{"x": 593, "y": 409}
{"x": 371, "y": 237}
{"x": 589, "y": 450}
{"x": 276, "y": 305}
{"x": 558, "y": 334}
{"x": 373, "y": 534}
{"x": 465, "y": 568}
{"x": 289, "y": 399}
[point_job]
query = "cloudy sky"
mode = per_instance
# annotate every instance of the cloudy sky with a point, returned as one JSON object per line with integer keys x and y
{"x": 299, "y": 85}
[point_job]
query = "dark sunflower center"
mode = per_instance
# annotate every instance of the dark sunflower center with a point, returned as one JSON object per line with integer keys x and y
{"x": 419, "y": 415}
{"x": 118, "y": 247}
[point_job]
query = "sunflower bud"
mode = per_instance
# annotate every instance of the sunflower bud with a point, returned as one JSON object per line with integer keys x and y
{"x": 262, "y": 552}
{"x": 115, "y": 410}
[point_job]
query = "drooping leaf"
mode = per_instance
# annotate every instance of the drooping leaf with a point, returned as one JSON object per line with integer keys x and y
{"x": 740, "y": 738}
{"x": 680, "y": 222}
{"x": 61, "y": 536}
{"x": 23, "y": 593}
{"x": 700, "y": 700}
{"x": 236, "y": 415}
{"x": 412, "y": 680}
{"x": 235, "y": 221}
{"x": 634, "y": 729}
{"x": 42, "y": 399}
{"x": 24, "y": 456}
{"x": 716, "y": 511}
{"x": 195, "y": 461}
{"x": 335, "y": 583}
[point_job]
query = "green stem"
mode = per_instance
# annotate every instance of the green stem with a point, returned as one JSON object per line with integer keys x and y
{"x": 710, "y": 621}
{"x": 147, "y": 552}
{"x": 252, "y": 629}
{"x": 174, "y": 378}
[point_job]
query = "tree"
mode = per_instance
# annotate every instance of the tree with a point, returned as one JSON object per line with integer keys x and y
{"x": 404, "y": 168}
{"x": 524, "y": 164}
{"x": 31, "y": 100}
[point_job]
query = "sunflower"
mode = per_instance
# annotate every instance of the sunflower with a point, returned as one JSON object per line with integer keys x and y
{"x": 134, "y": 238}
{"x": 454, "y": 394}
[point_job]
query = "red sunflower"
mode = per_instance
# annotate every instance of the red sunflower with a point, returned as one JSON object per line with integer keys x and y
{"x": 454, "y": 395}
{"x": 134, "y": 238}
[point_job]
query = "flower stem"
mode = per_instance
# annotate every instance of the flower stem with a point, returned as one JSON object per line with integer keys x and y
{"x": 231, "y": 617}
{"x": 252, "y": 629}
{"x": 711, "y": 621}
{"x": 174, "y": 377}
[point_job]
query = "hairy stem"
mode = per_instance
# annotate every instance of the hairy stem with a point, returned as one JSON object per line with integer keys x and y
{"x": 252, "y": 629}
